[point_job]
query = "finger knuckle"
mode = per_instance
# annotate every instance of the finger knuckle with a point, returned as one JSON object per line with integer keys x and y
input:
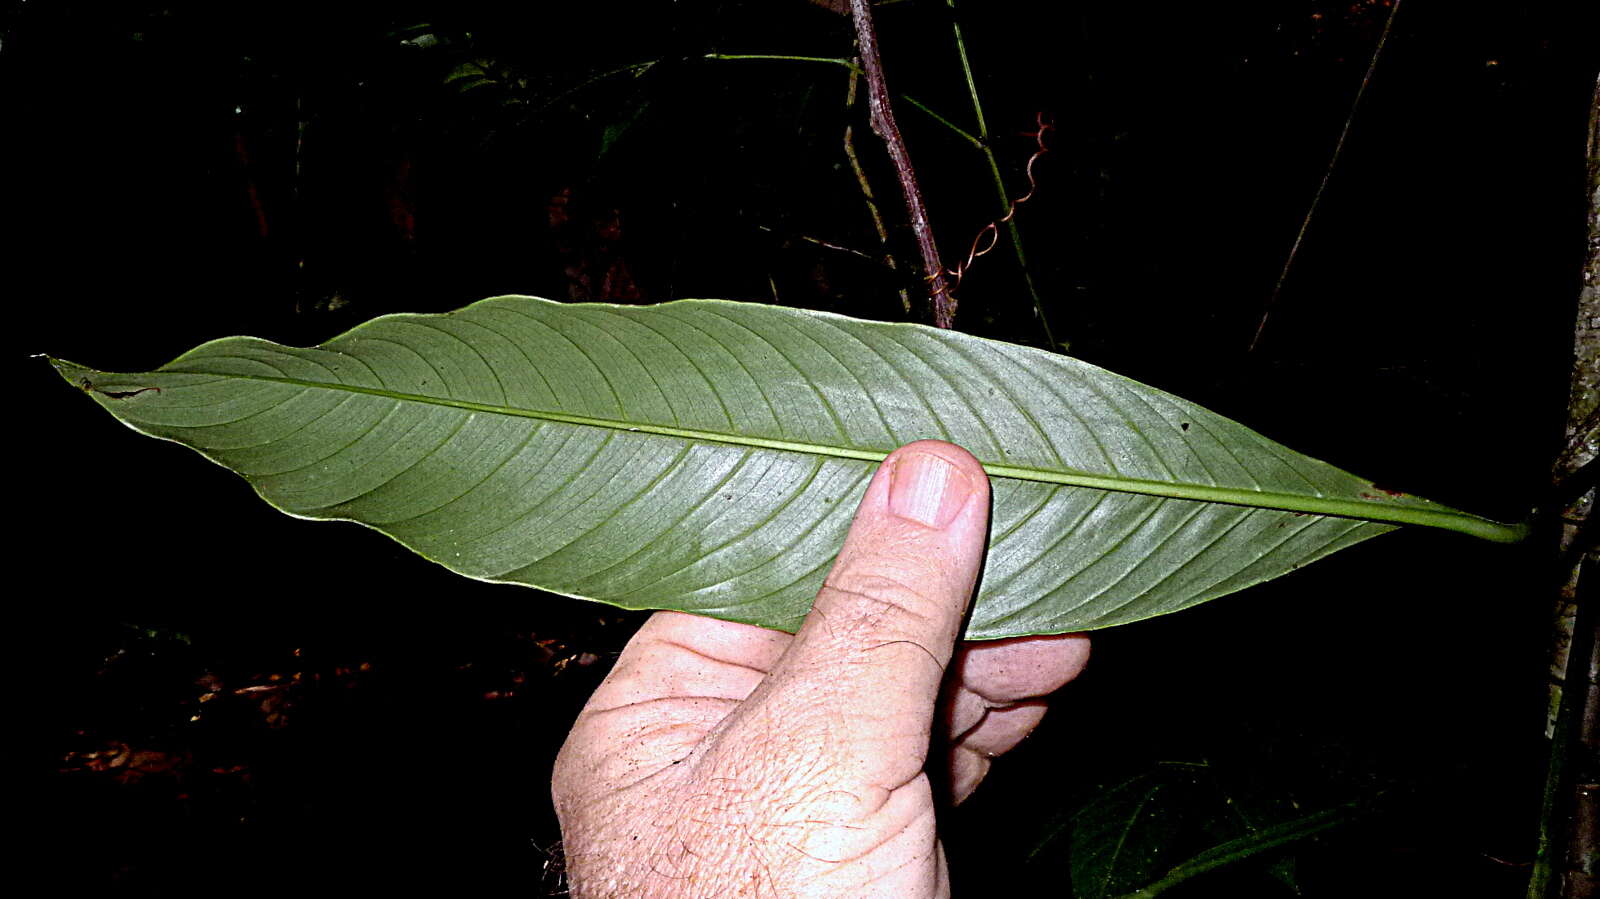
{"x": 883, "y": 596}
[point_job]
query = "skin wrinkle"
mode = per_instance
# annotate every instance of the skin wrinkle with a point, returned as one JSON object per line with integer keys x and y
{"x": 893, "y": 870}
{"x": 867, "y": 849}
{"x": 1003, "y": 728}
{"x": 964, "y": 708}
{"x": 936, "y": 663}
{"x": 659, "y": 701}
{"x": 878, "y": 594}
{"x": 878, "y": 597}
{"x": 709, "y": 657}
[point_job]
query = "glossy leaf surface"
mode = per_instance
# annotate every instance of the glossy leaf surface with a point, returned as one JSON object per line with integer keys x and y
{"x": 707, "y": 456}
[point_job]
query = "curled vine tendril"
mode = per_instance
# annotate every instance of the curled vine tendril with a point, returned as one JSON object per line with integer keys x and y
{"x": 989, "y": 237}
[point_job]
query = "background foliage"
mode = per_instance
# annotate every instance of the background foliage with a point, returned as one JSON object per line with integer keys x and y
{"x": 183, "y": 171}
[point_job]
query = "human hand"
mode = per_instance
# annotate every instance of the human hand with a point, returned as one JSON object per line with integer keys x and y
{"x": 725, "y": 759}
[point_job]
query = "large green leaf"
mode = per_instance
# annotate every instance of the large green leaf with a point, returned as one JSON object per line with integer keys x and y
{"x": 707, "y": 456}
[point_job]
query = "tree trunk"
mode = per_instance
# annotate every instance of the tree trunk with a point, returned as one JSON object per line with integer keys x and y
{"x": 1569, "y": 848}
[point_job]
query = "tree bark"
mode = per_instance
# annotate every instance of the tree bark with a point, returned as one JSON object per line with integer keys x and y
{"x": 1569, "y": 844}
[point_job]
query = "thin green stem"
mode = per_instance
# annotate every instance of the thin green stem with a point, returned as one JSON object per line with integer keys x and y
{"x": 1016, "y": 248}
{"x": 635, "y": 69}
{"x": 959, "y": 131}
{"x": 835, "y": 60}
{"x": 1012, "y": 232}
{"x": 966, "y": 69}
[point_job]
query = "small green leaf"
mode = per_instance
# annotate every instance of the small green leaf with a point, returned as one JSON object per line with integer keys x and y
{"x": 1124, "y": 838}
{"x": 707, "y": 456}
{"x": 624, "y": 122}
{"x": 1244, "y": 847}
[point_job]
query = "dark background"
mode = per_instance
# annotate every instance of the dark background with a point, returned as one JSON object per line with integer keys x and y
{"x": 378, "y": 723}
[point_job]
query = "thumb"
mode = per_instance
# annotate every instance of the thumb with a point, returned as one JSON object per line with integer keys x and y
{"x": 866, "y": 665}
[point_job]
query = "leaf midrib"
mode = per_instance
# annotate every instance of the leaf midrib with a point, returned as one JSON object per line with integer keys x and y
{"x": 1442, "y": 517}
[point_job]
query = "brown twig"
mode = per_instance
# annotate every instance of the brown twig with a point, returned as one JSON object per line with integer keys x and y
{"x": 882, "y": 117}
{"x": 1316, "y": 199}
{"x": 826, "y": 245}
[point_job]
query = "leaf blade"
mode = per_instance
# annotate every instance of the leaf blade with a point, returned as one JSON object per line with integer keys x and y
{"x": 569, "y": 446}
